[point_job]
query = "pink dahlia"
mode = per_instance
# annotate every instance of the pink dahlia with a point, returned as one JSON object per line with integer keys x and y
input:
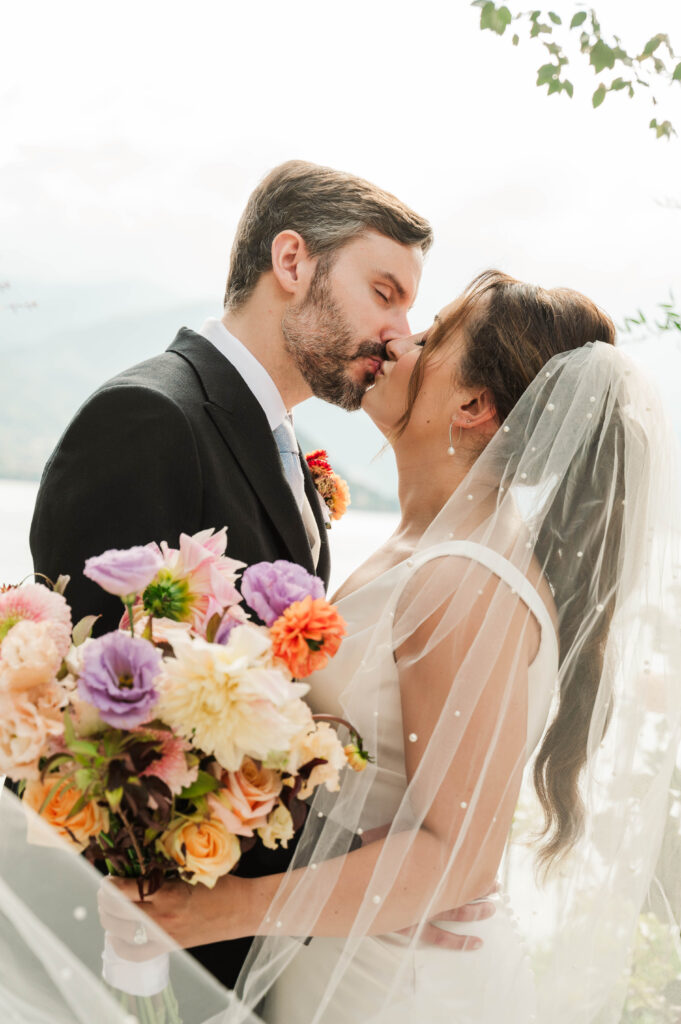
{"x": 172, "y": 767}
{"x": 37, "y": 603}
{"x": 197, "y": 581}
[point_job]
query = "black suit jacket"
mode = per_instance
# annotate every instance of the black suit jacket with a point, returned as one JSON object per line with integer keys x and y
{"x": 174, "y": 445}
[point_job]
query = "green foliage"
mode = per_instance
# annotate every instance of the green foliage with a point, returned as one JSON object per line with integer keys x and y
{"x": 494, "y": 18}
{"x": 668, "y": 320}
{"x": 648, "y": 68}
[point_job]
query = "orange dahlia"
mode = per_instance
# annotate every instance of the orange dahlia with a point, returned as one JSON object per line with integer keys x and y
{"x": 341, "y": 497}
{"x": 307, "y": 634}
{"x": 333, "y": 489}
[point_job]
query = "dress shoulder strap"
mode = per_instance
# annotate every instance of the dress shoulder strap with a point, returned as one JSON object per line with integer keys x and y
{"x": 497, "y": 564}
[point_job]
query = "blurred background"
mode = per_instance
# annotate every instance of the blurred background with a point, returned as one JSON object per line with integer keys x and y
{"x": 134, "y": 133}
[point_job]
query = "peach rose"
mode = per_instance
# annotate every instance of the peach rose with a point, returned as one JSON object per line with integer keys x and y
{"x": 247, "y": 797}
{"x": 29, "y": 657}
{"x": 25, "y": 734}
{"x": 322, "y": 743}
{"x": 204, "y": 848}
{"x": 89, "y": 821}
{"x": 278, "y": 829}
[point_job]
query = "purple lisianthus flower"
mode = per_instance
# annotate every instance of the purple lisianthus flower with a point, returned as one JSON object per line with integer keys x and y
{"x": 125, "y": 573}
{"x": 270, "y": 587}
{"x": 119, "y": 672}
{"x": 234, "y": 616}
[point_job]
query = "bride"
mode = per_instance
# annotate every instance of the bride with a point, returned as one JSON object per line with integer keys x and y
{"x": 512, "y": 663}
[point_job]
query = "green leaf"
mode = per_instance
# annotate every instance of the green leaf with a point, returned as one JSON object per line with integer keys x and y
{"x": 601, "y": 56}
{"x": 114, "y": 797}
{"x": 676, "y": 77}
{"x": 83, "y": 747}
{"x": 206, "y": 783}
{"x": 569, "y": 88}
{"x": 546, "y": 73}
{"x": 598, "y": 96}
{"x": 53, "y": 790}
{"x": 618, "y": 84}
{"x": 82, "y": 631}
{"x": 578, "y": 19}
{"x": 516, "y": 40}
{"x": 496, "y": 19}
{"x": 78, "y": 806}
{"x": 82, "y": 779}
{"x": 554, "y": 18}
{"x": 664, "y": 129}
{"x": 61, "y": 584}
{"x": 69, "y": 732}
{"x": 652, "y": 45}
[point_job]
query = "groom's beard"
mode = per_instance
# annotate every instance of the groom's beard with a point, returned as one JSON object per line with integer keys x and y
{"x": 321, "y": 343}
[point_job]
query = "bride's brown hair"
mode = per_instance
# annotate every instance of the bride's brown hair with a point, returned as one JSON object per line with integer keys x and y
{"x": 511, "y": 331}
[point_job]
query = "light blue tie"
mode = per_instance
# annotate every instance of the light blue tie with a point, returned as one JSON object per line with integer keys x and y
{"x": 290, "y": 459}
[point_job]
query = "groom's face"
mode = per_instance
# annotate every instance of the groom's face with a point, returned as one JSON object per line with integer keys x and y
{"x": 356, "y": 303}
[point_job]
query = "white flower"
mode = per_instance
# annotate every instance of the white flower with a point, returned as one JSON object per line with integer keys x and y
{"x": 278, "y": 829}
{"x": 322, "y": 743}
{"x": 231, "y": 700}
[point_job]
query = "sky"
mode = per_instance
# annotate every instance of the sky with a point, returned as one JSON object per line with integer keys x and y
{"x": 133, "y": 133}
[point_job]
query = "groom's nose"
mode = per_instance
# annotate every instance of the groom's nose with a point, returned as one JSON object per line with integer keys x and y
{"x": 396, "y": 327}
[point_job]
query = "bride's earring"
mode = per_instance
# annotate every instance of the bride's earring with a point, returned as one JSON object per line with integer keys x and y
{"x": 451, "y": 450}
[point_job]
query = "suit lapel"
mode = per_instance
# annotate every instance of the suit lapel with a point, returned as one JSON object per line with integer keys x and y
{"x": 244, "y": 428}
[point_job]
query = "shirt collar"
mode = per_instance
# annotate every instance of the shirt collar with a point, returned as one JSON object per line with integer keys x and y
{"x": 256, "y": 377}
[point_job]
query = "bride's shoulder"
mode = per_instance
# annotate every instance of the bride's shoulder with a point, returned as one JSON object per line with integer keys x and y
{"x": 375, "y": 568}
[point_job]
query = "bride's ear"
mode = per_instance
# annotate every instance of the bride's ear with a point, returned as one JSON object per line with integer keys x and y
{"x": 476, "y": 411}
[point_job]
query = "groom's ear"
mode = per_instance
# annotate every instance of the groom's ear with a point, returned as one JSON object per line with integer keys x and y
{"x": 292, "y": 265}
{"x": 478, "y": 410}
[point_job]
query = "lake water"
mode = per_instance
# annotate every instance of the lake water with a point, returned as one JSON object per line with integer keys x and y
{"x": 352, "y": 539}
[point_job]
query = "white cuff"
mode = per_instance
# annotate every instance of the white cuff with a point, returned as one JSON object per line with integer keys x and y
{"x": 146, "y": 978}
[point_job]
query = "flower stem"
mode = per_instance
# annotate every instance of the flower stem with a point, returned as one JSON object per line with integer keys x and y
{"x": 129, "y": 605}
{"x": 136, "y": 848}
{"x": 335, "y": 718}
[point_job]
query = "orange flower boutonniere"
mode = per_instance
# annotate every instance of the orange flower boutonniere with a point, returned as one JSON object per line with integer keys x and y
{"x": 333, "y": 490}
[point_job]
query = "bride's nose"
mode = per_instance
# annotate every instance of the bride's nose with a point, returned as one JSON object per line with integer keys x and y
{"x": 399, "y": 347}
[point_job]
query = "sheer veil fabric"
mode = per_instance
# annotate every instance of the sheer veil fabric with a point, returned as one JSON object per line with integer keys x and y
{"x": 580, "y": 491}
{"x": 51, "y": 940}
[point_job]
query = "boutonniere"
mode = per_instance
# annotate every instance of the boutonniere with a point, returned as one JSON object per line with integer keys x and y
{"x": 332, "y": 489}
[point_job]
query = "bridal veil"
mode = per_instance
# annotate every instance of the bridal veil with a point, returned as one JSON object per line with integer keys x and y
{"x": 580, "y": 491}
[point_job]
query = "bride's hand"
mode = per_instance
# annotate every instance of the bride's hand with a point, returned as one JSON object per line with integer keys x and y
{"x": 480, "y": 910}
{"x": 184, "y": 912}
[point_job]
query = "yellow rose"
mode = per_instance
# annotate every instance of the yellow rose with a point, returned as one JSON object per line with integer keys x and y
{"x": 203, "y": 847}
{"x": 89, "y": 821}
{"x": 357, "y": 759}
{"x": 279, "y": 828}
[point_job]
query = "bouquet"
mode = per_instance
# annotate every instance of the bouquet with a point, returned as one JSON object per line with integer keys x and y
{"x": 167, "y": 748}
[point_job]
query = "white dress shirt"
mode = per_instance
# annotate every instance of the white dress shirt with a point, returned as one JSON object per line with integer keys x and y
{"x": 263, "y": 388}
{"x": 257, "y": 379}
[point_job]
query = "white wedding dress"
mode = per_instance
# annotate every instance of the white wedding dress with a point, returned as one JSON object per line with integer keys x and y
{"x": 487, "y": 986}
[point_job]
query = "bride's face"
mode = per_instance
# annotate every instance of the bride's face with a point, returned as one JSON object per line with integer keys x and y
{"x": 439, "y": 394}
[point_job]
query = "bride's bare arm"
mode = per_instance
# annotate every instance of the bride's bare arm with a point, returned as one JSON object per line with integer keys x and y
{"x": 455, "y": 854}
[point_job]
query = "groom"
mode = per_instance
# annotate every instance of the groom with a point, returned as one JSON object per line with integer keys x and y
{"x": 324, "y": 268}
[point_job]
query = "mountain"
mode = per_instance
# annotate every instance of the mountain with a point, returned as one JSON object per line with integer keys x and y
{"x": 47, "y": 376}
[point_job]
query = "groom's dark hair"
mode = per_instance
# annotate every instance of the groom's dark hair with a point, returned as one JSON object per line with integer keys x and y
{"x": 327, "y": 208}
